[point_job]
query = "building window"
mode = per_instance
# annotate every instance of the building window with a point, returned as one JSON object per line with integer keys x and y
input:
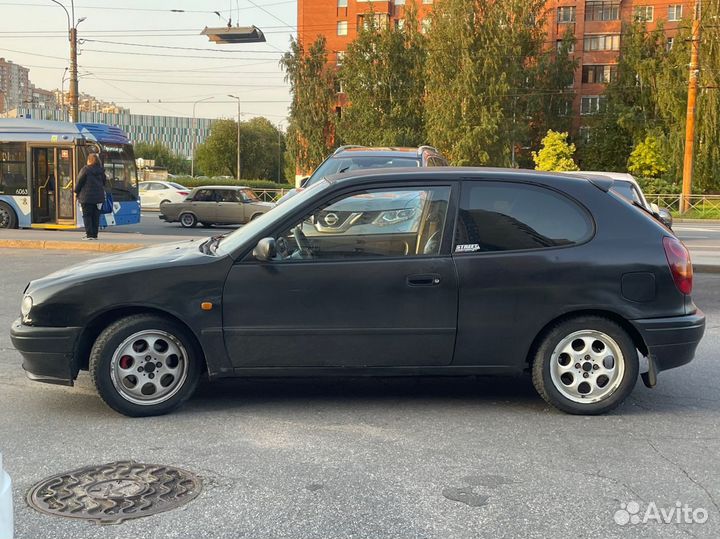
{"x": 592, "y": 104}
{"x": 399, "y": 2}
{"x": 339, "y": 57}
{"x": 585, "y": 134}
{"x": 427, "y": 1}
{"x": 602, "y": 11}
{"x": 644, "y": 13}
{"x": 670, "y": 43}
{"x": 559, "y": 45}
{"x": 596, "y": 74}
{"x": 566, "y": 14}
{"x": 342, "y": 3}
{"x": 380, "y": 20}
{"x": 425, "y": 25}
{"x": 342, "y": 28}
{"x": 400, "y": 24}
{"x": 602, "y": 43}
{"x": 675, "y": 13}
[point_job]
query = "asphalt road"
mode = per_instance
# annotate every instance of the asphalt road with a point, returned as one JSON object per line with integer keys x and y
{"x": 150, "y": 224}
{"x": 377, "y": 458}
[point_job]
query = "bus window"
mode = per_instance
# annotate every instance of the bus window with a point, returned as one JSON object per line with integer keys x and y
{"x": 119, "y": 162}
{"x": 13, "y": 169}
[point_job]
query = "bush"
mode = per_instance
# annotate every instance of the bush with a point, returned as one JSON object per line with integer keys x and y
{"x": 187, "y": 181}
{"x": 658, "y": 186}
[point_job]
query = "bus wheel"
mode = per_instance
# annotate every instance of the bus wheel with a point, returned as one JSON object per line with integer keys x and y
{"x": 8, "y": 219}
{"x": 188, "y": 220}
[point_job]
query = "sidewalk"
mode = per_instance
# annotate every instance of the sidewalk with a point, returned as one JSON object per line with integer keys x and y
{"x": 71, "y": 240}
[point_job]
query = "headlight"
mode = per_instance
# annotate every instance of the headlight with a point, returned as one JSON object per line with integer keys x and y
{"x": 26, "y": 306}
{"x": 395, "y": 216}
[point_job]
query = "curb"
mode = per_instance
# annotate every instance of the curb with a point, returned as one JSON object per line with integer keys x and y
{"x": 697, "y": 221}
{"x": 70, "y": 245}
{"x": 706, "y": 268}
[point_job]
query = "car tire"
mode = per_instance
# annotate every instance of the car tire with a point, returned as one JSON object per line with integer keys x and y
{"x": 585, "y": 365}
{"x": 187, "y": 220}
{"x": 8, "y": 217}
{"x": 163, "y": 202}
{"x": 255, "y": 216}
{"x": 134, "y": 385}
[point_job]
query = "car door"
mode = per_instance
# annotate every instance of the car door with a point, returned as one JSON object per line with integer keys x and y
{"x": 363, "y": 280}
{"x": 149, "y": 195}
{"x": 229, "y": 207}
{"x": 204, "y": 205}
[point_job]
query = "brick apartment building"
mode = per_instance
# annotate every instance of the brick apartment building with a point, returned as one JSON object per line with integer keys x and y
{"x": 596, "y": 25}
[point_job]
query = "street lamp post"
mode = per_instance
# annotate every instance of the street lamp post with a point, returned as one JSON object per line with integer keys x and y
{"x": 238, "y": 135}
{"x": 193, "y": 136}
{"x": 72, "y": 32}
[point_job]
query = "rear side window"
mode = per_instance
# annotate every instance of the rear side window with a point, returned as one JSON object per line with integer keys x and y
{"x": 498, "y": 216}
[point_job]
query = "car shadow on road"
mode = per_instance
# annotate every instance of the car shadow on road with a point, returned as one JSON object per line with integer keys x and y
{"x": 471, "y": 390}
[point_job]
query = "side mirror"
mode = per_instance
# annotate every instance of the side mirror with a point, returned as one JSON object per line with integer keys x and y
{"x": 303, "y": 182}
{"x": 665, "y": 217}
{"x": 265, "y": 250}
{"x": 655, "y": 208}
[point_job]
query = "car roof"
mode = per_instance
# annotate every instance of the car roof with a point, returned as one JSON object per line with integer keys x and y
{"x": 621, "y": 176}
{"x": 458, "y": 173}
{"x": 384, "y": 151}
{"x": 221, "y": 187}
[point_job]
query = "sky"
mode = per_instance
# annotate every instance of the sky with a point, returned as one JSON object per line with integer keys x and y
{"x": 147, "y": 76}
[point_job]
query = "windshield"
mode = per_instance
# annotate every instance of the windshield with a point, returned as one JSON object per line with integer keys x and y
{"x": 119, "y": 163}
{"x": 338, "y": 165}
{"x": 236, "y": 239}
{"x": 249, "y": 195}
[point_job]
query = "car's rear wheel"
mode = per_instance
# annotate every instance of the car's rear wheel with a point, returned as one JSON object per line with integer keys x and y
{"x": 585, "y": 365}
{"x": 163, "y": 202}
{"x": 145, "y": 365}
{"x": 8, "y": 219}
{"x": 188, "y": 220}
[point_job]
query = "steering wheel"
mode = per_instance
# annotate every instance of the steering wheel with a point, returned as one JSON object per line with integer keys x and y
{"x": 302, "y": 242}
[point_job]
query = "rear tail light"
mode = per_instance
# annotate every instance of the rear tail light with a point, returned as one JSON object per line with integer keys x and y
{"x": 678, "y": 259}
{"x": 183, "y": 193}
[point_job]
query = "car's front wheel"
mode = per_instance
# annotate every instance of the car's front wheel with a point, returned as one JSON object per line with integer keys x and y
{"x": 585, "y": 365}
{"x": 145, "y": 365}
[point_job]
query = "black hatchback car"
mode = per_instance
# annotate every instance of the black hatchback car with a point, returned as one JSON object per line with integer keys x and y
{"x": 434, "y": 271}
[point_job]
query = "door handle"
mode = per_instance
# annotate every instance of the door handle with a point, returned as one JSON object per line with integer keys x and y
{"x": 425, "y": 279}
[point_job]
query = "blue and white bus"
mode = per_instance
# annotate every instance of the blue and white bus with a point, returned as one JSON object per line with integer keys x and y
{"x": 39, "y": 164}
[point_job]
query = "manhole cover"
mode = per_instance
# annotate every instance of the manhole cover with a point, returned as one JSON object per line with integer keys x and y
{"x": 111, "y": 493}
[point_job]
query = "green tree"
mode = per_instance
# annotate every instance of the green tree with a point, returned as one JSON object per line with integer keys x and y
{"x": 311, "y": 133}
{"x": 382, "y": 75}
{"x": 707, "y": 147}
{"x": 217, "y": 156}
{"x": 648, "y": 96}
{"x": 163, "y": 157}
{"x": 556, "y": 153}
{"x": 492, "y": 83}
{"x": 647, "y": 159}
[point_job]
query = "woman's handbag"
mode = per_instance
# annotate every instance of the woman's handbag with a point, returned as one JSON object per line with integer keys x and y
{"x": 107, "y": 206}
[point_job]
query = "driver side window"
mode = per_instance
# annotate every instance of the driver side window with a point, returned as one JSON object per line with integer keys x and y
{"x": 370, "y": 224}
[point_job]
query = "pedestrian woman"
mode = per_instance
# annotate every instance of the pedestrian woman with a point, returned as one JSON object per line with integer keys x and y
{"x": 90, "y": 190}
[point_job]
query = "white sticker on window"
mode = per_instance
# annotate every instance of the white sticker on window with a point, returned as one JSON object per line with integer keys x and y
{"x": 467, "y": 248}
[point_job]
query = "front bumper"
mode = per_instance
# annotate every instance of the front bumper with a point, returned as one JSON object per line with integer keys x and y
{"x": 671, "y": 341}
{"x": 48, "y": 353}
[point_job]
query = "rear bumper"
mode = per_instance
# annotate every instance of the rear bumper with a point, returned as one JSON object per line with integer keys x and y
{"x": 48, "y": 353}
{"x": 672, "y": 341}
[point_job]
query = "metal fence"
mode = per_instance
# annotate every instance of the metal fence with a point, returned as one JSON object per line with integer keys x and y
{"x": 699, "y": 203}
{"x": 270, "y": 195}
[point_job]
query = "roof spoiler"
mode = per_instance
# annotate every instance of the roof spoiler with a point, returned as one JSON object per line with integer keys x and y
{"x": 601, "y": 182}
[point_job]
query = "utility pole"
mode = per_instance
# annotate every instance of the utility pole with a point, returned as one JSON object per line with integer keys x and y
{"x": 238, "y": 135}
{"x": 690, "y": 119}
{"x": 279, "y": 151}
{"x": 72, "y": 35}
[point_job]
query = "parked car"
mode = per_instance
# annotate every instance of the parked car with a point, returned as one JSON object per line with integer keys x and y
{"x": 627, "y": 186}
{"x": 6, "y": 505}
{"x": 346, "y": 159}
{"x": 441, "y": 271}
{"x": 153, "y": 194}
{"x": 216, "y": 205}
